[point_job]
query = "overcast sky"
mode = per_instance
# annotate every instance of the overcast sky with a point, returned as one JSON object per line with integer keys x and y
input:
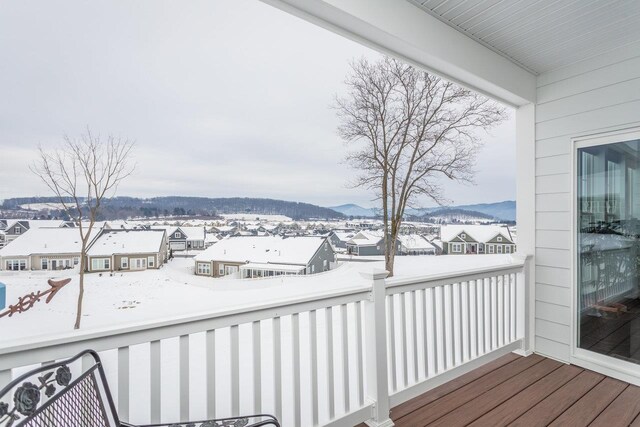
{"x": 224, "y": 98}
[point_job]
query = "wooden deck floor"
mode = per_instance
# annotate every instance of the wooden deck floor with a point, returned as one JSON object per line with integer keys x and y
{"x": 524, "y": 391}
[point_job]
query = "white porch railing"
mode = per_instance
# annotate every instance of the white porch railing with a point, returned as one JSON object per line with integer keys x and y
{"x": 337, "y": 359}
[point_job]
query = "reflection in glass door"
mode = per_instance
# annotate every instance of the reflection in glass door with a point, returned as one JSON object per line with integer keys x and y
{"x": 608, "y": 246}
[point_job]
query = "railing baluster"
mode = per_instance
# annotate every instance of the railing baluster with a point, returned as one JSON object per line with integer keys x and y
{"x": 512, "y": 303}
{"x": 449, "y": 330}
{"x": 392, "y": 342}
{"x": 414, "y": 330}
{"x": 456, "y": 310}
{"x": 210, "y": 366}
{"x": 235, "y": 370}
{"x": 277, "y": 367}
{"x": 438, "y": 333}
{"x": 482, "y": 316}
{"x": 295, "y": 338}
{"x": 489, "y": 297}
{"x": 330, "y": 377}
{"x": 425, "y": 332}
{"x": 155, "y": 383}
{"x": 443, "y": 344}
{"x": 257, "y": 367}
{"x": 359, "y": 345}
{"x": 403, "y": 330}
{"x": 345, "y": 358}
{"x": 496, "y": 313}
{"x": 500, "y": 310}
{"x": 313, "y": 341}
{"x": 184, "y": 377}
{"x": 5, "y": 377}
{"x": 123, "y": 383}
{"x": 466, "y": 321}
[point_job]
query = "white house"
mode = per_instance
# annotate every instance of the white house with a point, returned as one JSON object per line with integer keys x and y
{"x": 127, "y": 250}
{"x": 44, "y": 249}
{"x": 415, "y": 244}
{"x": 263, "y": 256}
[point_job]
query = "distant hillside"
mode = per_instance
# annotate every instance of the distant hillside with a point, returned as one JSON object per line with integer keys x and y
{"x": 457, "y": 215}
{"x": 355, "y": 211}
{"x": 128, "y": 207}
{"x": 501, "y": 210}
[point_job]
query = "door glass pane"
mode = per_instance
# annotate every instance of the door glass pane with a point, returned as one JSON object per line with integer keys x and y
{"x": 608, "y": 249}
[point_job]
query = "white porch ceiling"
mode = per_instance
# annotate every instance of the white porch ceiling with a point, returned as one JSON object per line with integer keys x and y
{"x": 542, "y": 35}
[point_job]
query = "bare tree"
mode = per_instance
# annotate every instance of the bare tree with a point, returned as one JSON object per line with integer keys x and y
{"x": 409, "y": 130}
{"x": 82, "y": 172}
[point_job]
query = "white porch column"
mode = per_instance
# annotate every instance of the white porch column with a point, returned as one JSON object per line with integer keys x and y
{"x": 526, "y": 212}
{"x": 376, "y": 350}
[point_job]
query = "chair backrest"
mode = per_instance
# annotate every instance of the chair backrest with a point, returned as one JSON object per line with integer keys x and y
{"x": 49, "y": 396}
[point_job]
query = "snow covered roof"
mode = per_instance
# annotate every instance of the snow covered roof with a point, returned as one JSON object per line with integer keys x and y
{"x": 414, "y": 241}
{"x": 267, "y": 249}
{"x": 366, "y": 238}
{"x": 45, "y": 223}
{"x": 46, "y": 241}
{"x": 344, "y": 236}
{"x": 127, "y": 242}
{"x": 480, "y": 233}
{"x": 193, "y": 233}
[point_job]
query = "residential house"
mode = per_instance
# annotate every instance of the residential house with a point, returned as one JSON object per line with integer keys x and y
{"x": 368, "y": 243}
{"x": 127, "y": 250}
{"x": 44, "y": 249}
{"x": 415, "y": 244}
{"x": 185, "y": 238}
{"x": 476, "y": 239}
{"x": 252, "y": 256}
{"x": 339, "y": 239}
{"x": 15, "y": 229}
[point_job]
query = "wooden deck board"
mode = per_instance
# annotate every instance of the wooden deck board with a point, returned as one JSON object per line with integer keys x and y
{"x": 513, "y": 408}
{"x": 472, "y": 410}
{"x": 440, "y": 407}
{"x": 524, "y": 391}
{"x": 559, "y": 401}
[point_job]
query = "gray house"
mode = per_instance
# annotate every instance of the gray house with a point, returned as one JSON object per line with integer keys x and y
{"x": 185, "y": 238}
{"x": 265, "y": 256}
{"x": 15, "y": 229}
{"x": 476, "y": 239}
{"x": 368, "y": 243}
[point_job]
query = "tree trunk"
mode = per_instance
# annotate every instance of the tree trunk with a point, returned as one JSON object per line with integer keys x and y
{"x": 81, "y": 290}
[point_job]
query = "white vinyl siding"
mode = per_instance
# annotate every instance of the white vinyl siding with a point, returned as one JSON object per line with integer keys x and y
{"x": 597, "y": 95}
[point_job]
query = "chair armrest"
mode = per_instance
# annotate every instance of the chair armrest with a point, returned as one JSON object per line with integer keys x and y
{"x": 260, "y": 420}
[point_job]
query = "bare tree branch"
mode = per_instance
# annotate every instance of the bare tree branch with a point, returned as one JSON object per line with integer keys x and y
{"x": 408, "y": 129}
{"x": 82, "y": 173}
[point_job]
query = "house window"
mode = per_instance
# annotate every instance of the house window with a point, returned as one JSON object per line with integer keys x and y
{"x": 177, "y": 235}
{"x": 76, "y": 261}
{"x": 44, "y": 263}
{"x": 313, "y": 269}
{"x": 100, "y": 264}
{"x": 221, "y": 270}
{"x": 151, "y": 261}
{"x": 491, "y": 249}
{"x": 325, "y": 265}
{"x": 16, "y": 264}
{"x": 456, "y": 247}
{"x": 499, "y": 239}
{"x": 204, "y": 268}
{"x": 18, "y": 229}
{"x": 124, "y": 262}
{"x": 463, "y": 236}
{"x": 499, "y": 249}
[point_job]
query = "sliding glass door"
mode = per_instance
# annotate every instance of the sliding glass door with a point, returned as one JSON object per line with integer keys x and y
{"x": 608, "y": 249}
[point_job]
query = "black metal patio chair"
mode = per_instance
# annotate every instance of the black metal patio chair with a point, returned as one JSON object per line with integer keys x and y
{"x": 49, "y": 396}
